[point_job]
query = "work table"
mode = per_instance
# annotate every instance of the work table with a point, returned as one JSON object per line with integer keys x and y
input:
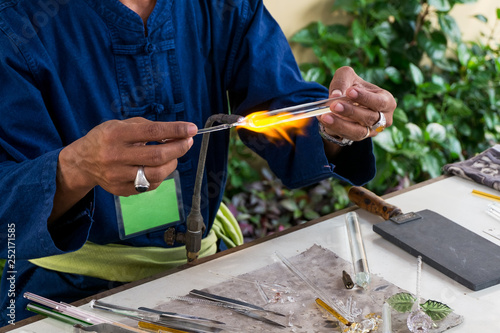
{"x": 448, "y": 196}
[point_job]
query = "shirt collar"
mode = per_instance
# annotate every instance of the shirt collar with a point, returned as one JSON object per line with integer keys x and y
{"x": 118, "y": 14}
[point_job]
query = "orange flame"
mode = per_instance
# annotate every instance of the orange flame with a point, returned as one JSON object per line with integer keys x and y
{"x": 275, "y": 127}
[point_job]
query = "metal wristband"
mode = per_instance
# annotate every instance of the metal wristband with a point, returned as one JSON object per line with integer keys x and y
{"x": 337, "y": 140}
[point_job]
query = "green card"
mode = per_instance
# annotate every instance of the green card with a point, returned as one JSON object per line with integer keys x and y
{"x": 150, "y": 211}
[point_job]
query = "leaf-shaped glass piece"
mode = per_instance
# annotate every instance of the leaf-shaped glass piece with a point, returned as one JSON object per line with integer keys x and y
{"x": 436, "y": 310}
{"x": 401, "y": 302}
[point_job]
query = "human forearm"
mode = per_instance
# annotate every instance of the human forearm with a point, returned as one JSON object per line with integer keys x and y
{"x": 70, "y": 186}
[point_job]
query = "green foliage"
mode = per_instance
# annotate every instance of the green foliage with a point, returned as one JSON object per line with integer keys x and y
{"x": 401, "y": 302}
{"x": 262, "y": 205}
{"x": 448, "y": 90}
{"x": 241, "y": 171}
{"x": 448, "y": 94}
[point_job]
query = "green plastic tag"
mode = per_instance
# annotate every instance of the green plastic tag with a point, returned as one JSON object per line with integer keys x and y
{"x": 150, "y": 211}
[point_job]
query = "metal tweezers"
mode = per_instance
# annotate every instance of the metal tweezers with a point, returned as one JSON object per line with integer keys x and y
{"x": 243, "y": 308}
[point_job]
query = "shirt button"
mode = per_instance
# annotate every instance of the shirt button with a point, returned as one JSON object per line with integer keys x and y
{"x": 158, "y": 108}
{"x": 149, "y": 48}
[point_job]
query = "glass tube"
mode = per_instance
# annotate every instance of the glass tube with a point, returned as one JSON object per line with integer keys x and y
{"x": 291, "y": 113}
{"x": 358, "y": 255}
{"x": 494, "y": 211}
{"x": 386, "y": 318}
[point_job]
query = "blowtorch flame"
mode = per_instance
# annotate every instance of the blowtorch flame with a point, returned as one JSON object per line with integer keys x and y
{"x": 275, "y": 127}
{"x": 279, "y": 124}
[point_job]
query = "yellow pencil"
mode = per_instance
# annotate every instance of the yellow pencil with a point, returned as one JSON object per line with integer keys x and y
{"x": 486, "y": 195}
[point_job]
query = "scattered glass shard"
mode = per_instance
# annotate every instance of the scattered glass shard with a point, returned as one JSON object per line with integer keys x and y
{"x": 370, "y": 324}
{"x": 348, "y": 312}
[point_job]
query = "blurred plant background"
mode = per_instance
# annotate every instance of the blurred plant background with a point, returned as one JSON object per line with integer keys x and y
{"x": 448, "y": 93}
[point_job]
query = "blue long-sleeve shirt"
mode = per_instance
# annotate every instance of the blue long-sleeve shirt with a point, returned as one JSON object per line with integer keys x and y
{"x": 67, "y": 66}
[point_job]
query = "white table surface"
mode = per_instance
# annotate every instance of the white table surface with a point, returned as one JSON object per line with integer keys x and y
{"x": 450, "y": 197}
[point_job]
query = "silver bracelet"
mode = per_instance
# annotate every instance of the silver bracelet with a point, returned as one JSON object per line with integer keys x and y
{"x": 337, "y": 140}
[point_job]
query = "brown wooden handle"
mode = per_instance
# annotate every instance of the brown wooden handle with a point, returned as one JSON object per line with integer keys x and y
{"x": 371, "y": 202}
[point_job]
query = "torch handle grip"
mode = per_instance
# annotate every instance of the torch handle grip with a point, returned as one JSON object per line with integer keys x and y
{"x": 371, "y": 202}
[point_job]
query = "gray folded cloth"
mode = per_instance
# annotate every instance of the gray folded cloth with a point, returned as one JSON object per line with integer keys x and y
{"x": 483, "y": 168}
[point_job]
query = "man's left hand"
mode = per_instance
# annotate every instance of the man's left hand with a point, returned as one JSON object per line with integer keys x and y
{"x": 361, "y": 114}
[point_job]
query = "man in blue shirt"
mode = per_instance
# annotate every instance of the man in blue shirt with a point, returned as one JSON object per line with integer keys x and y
{"x": 86, "y": 83}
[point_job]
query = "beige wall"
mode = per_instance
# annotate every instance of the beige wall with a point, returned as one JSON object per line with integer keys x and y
{"x": 292, "y": 15}
{"x": 471, "y": 27}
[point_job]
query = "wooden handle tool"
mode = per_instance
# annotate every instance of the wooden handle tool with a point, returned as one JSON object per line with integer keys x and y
{"x": 371, "y": 202}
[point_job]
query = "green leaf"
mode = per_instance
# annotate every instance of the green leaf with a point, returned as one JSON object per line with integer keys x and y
{"x": 305, "y": 36}
{"x": 315, "y": 74}
{"x": 440, "y": 5}
{"x": 358, "y": 33}
{"x": 416, "y": 74}
{"x": 482, "y": 18}
{"x": 432, "y": 163}
{"x": 463, "y": 54}
{"x": 415, "y": 133}
{"x": 310, "y": 214}
{"x": 384, "y": 33}
{"x": 436, "y": 310}
{"x": 498, "y": 13}
{"x": 397, "y": 136}
{"x": 432, "y": 88}
{"x": 289, "y": 204}
{"x": 347, "y": 5}
{"x": 455, "y": 147}
{"x": 374, "y": 75}
{"x": 399, "y": 168}
{"x": 439, "y": 80}
{"x": 457, "y": 107}
{"x": 384, "y": 140}
{"x": 435, "y": 47}
{"x": 393, "y": 74}
{"x": 322, "y": 30}
{"x": 431, "y": 113}
{"x": 399, "y": 116}
{"x": 401, "y": 302}
{"x": 450, "y": 27}
{"x": 411, "y": 102}
{"x": 437, "y": 132}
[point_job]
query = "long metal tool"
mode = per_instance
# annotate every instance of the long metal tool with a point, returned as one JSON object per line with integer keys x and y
{"x": 164, "y": 314}
{"x": 240, "y": 307}
{"x": 231, "y": 301}
{"x": 173, "y": 322}
{"x": 252, "y": 314}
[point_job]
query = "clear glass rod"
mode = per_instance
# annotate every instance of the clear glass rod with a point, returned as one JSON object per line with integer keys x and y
{"x": 288, "y": 114}
{"x": 279, "y": 116}
{"x": 358, "y": 255}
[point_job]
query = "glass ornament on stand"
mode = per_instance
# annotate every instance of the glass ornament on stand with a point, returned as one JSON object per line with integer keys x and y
{"x": 418, "y": 320}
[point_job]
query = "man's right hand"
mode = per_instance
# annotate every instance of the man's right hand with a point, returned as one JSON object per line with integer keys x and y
{"x": 111, "y": 153}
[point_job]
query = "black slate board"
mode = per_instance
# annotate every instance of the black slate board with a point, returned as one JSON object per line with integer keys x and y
{"x": 450, "y": 248}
